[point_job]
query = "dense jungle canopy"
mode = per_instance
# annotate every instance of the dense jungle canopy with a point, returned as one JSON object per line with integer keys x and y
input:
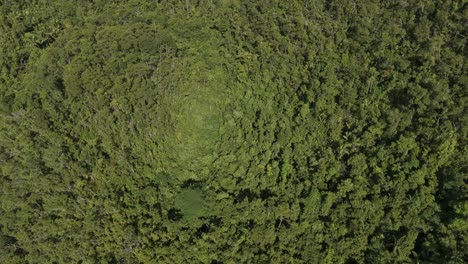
{"x": 205, "y": 131}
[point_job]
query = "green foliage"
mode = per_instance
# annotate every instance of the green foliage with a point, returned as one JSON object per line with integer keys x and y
{"x": 190, "y": 202}
{"x": 233, "y": 132}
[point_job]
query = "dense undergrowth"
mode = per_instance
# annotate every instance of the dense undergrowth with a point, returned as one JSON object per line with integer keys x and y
{"x": 233, "y": 132}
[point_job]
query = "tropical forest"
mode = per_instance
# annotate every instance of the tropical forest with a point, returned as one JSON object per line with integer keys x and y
{"x": 233, "y": 131}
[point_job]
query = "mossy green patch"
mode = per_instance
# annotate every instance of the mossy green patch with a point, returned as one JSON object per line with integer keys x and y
{"x": 192, "y": 205}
